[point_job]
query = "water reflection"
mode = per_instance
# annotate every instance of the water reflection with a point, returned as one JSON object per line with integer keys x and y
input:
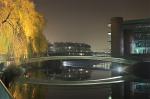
{"x": 54, "y": 81}
{"x": 39, "y": 81}
{"x": 67, "y": 73}
{"x": 34, "y": 91}
{"x": 75, "y": 73}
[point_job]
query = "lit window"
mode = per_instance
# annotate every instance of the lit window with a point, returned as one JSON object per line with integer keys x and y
{"x": 81, "y": 54}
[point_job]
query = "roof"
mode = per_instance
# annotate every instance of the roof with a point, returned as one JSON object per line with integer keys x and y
{"x": 137, "y": 21}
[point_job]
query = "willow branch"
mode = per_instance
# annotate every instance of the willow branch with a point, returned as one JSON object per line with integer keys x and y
{"x": 7, "y": 17}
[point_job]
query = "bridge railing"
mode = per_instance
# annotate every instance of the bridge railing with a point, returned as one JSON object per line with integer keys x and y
{"x": 4, "y": 93}
{"x": 106, "y": 59}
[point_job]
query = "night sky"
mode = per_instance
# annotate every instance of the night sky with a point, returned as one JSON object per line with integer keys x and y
{"x": 86, "y": 20}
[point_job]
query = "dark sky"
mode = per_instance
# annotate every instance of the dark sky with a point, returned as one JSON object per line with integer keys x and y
{"x": 86, "y": 20}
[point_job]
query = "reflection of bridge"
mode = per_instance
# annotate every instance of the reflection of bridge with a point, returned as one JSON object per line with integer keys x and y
{"x": 105, "y": 81}
{"x": 104, "y": 59}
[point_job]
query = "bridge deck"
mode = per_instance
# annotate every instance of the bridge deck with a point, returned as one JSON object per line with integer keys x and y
{"x": 105, "y": 59}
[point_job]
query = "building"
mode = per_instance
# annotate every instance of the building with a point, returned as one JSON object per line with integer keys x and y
{"x": 130, "y": 38}
{"x": 69, "y": 49}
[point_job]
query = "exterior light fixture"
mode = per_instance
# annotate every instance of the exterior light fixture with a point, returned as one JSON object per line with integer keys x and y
{"x": 109, "y": 25}
{"x": 65, "y": 63}
{"x": 109, "y": 33}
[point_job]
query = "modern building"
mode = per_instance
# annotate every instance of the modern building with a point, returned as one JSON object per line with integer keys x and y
{"x": 69, "y": 49}
{"x": 130, "y": 38}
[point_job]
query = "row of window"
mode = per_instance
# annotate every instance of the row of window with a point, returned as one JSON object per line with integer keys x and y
{"x": 70, "y": 54}
{"x": 140, "y": 43}
{"x": 74, "y": 49}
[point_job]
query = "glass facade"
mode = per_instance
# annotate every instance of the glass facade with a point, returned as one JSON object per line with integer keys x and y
{"x": 137, "y": 34}
{"x": 140, "y": 43}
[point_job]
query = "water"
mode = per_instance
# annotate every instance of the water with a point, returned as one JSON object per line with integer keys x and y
{"x": 4, "y": 93}
{"x": 62, "y": 87}
{"x": 46, "y": 81}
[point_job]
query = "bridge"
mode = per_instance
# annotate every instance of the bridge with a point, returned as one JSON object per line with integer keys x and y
{"x": 4, "y": 92}
{"x": 103, "y": 59}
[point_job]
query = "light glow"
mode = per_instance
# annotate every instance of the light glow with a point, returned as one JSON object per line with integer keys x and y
{"x": 120, "y": 69}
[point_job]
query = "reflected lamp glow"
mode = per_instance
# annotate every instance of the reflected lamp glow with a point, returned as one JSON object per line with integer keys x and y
{"x": 86, "y": 71}
{"x": 119, "y": 69}
{"x": 81, "y": 70}
{"x": 109, "y": 97}
{"x": 69, "y": 47}
{"x": 81, "y": 54}
{"x": 94, "y": 65}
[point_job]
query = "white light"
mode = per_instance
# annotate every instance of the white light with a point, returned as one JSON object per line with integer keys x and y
{"x": 109, "y": 97}
{"x": 86, "y": 71}
{"x": 69, "y": 76}
{"x": 94, "y": 83}
{"x": 94, "y": 65}
{"x": 65, "y": 63}
{"x": 109, "y": 25}
{"x": 105, "y": 79}
{"x": 81, "y": 54}
{"x": 109, "y": 33}
{"x": 69, "y": 70}
{"x": 81, "y": 70}
{"x": 120, "y": 69}
{"x": 69, "y": 47}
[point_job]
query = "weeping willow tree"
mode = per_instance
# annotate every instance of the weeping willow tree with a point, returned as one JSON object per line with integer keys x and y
{"x": 21, "y": 29}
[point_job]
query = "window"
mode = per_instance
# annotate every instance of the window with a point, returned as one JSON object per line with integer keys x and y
{"x": 140, "y": 43}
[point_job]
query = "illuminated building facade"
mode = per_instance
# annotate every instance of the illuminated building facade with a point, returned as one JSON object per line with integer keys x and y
{"x": 130, "y": 38}
{"x": 69, "y": 49}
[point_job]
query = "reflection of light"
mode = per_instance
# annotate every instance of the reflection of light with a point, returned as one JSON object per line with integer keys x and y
{"x": 137, "y": 51}
{"x": 94, "y": 83}
{"x": 86, "y": 71}
{"x": 69, "y": 47}
{"x": 8, "y": 63}
{"x": 105, "y": 79}
{"x": 69, "y": 76}
{"x": 120, "y": 69}
{"x": 81, "y": 54}
{"x": 94, "y": 65}
{"x": 109, "y": 97}
{"x": 81, "y": 70}
{"x": 69, "y": 70}
{"x": 51, "y": 47}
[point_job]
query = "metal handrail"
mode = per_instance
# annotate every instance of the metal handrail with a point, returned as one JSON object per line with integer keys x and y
{"x": 5, "y": 88}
